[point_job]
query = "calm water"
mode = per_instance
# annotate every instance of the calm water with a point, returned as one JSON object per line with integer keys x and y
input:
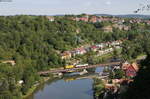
{"x": 61, "y": 89}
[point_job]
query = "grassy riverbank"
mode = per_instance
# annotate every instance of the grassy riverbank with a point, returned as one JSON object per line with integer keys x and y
{"x": 31, "y": 90}
{"x": 34, "y": 87}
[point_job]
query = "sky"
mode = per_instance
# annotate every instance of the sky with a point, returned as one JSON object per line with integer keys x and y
{"x": 57, "y": 7}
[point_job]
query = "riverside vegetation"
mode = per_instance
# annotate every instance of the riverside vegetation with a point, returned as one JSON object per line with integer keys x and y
{"x": 35, "y": 44}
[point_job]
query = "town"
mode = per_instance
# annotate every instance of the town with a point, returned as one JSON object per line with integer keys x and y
{"x": 104, "y": 53}
{"x": 102, "y": 48}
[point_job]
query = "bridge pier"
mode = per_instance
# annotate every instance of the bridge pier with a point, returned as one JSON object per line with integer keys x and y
{"x": 60, "y": 74}
{"x": 83, "y": 72}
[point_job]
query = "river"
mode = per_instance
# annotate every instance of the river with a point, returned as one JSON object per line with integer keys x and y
{"x": 69, "y": 88}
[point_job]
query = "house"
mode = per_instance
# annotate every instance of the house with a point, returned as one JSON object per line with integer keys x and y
{"x": 107, "y": 29}
{"x": 130, "y": 72}
{"x": 66, "y": 55}
{"x": 120, "y": 81}
{"x": 112, "y": 87}
{"x": 12, "y": 62}
{"x": 75, "y": 19}
{"x": 75, "y": 62}
{"x": 136, "y": 21}
{"x": 79, "y": 51}
{"x": 50, "y": 18}
{"x": 101, "y": 52}
{"x": 108, "y": 44}
{"x": 94, "y": 48}
{"x": 116, "y": 67}
{"x": 108, "y": 50}
{"x": 85, "y": 19}
{"x": 148, "y": 22}
{"x": 105, "y": 19}
{"x": 99, "y": 19}
{"x": 93, "y": 19}
{"x": 125, "y": 65}
{"x": 130, "y": 69}
{"x": 115, "y": 43}
{"x": 126, "y": 28}
{"x": 121, "y": 27}
{"x": 101, "y": 46}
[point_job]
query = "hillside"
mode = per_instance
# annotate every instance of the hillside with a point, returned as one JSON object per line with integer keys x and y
{"x": 29, "y": 44}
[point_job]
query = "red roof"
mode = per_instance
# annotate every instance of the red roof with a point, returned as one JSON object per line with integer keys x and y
{"x": 94, "y": 47}
{"x": 131, "y": 71}
{"x": 80, "y": 49}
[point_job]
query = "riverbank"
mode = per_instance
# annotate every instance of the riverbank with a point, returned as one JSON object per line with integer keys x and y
{"x": 34, "y": 87}
{"x": 65, "y": 88}
{"x": 45, "y": 79}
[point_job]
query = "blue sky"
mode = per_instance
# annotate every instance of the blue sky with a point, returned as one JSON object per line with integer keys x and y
{"x": 53, "y": 7}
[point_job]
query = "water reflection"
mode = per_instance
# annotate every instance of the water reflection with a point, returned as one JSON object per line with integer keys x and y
{"x": 75, "y": 88}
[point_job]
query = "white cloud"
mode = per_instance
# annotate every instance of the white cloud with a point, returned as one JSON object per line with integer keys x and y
{"x": 108, "y": 2}
{"x": 88, "y": 4}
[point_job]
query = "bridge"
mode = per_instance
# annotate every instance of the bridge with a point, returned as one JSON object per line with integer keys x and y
{"x": 79, "y": 68}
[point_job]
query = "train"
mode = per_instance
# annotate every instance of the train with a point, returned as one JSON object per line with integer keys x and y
{"x": 69, "y": 66}
{"x": 81, "y": 65}
{"x": 75, "y": 66}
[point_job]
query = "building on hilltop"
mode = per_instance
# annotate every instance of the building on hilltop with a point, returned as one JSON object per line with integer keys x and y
{"x": 50, "y": 18}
